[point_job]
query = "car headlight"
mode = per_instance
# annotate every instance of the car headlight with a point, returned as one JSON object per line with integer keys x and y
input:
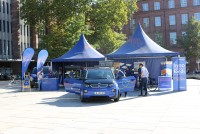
{"x": 113, "y": 90}
{"x": 111, "y": 85}
{"x": 86, "y": 85}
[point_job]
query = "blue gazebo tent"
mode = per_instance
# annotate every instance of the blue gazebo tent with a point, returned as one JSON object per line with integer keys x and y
{"x": 81, "y": 52}
{"x": 140, "y": 45}
{"x": 141, "y": 48}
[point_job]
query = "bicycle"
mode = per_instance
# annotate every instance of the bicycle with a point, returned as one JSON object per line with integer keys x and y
{"x": 152, "y": 84}
{"x": 13, "y": 77}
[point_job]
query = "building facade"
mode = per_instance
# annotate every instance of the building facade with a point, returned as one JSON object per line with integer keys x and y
{"x": 15, "y": 37}
{"x": 164, "y": 20}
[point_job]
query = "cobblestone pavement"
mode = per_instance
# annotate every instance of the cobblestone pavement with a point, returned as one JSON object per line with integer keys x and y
{"x": 162, "y": 112}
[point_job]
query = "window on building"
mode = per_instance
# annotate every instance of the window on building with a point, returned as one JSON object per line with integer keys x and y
{"x": 10, "y": 9}
{"x": 24, "y": 30}
{"x": 183, "y": 3}
{"x": 157, "y": 21}
{"x": 158, "y": 38}
{"x": 27, "y": 30}
{"x": 132, "y": 23}
{"x": 172, "y": 20}
{"x": 1, "y": 47}
{"x": 146, "y": 22}
{"x": 197, "y": 16}
{"x": 7, "y": 7}
{"x": 0, "y": 25}
{"x": 156, "y": 5}
{"x": 196, "y": 2}
{"x": 3, "y": 7}
{"x": 184, "y": 18}
{"x": 11, "y": 27}
{"x": 0, "y": 5}
{"x": 8, "y": 27}
{"x": 11, "y": 48}
{"x": 4, "y": 26}
{"x": 171, "y": 4}
{"x": 145, "y": 7}
{"x": 173, "y": 38}
{"x": 5, "y": 47}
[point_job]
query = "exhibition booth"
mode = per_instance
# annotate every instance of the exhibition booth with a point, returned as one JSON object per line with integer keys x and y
{"x": 80, "y": 56}
{"x": 139, "y": 48}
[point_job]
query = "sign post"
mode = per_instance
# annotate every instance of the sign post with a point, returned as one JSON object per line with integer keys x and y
{"x": 26, "y": 83}
{"x": 179, "y": 74}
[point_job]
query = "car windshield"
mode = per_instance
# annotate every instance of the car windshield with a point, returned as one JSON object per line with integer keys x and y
{"x": 99, "y": 74}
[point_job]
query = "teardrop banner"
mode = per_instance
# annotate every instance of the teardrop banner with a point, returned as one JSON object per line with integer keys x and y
{"x": 42, "y": 57}
{"x": 26, "y": 58}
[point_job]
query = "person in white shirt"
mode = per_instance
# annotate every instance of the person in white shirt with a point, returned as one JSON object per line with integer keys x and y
{"x": 144, "y": 79}
{"x": 40, "y": 77}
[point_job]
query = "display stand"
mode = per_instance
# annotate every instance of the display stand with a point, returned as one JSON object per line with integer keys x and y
{"x": 26, "y": 83}
{"x": 49, "y": 84}
{"x": 164, "y": 82}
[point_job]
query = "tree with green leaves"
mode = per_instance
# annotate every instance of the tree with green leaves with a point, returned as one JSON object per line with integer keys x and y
{"x": 60, "y": 23}
{"x": 190, "y": 40}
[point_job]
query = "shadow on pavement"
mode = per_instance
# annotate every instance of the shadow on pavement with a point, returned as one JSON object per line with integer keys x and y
{"x": 73, "y": 100}
{"x": 163, "y": 92}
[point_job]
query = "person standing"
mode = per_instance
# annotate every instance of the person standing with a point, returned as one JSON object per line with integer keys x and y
{"x": 144, "y": 79}
{"x": 139, "y": 85}
{"x": 128, "y": 71}
{"x": 40, "y": 76}
{"x": 60, "y": 75}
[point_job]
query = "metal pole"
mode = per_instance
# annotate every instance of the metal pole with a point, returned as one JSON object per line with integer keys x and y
{"x": 21, "y": 73}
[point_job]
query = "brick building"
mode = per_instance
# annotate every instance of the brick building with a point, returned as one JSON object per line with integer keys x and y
{"x": 15, "y": 37}
{"x": 164, "y": 20}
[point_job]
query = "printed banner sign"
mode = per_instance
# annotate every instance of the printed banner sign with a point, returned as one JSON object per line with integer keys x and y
{"x": 179, "y": 74}
{"x": 26, "y": 58}
{"x": 42, "y": 56}
{"x": 164, "y": 82}
{"x": 166, "y": 68}
{"x": 106, "y": 63}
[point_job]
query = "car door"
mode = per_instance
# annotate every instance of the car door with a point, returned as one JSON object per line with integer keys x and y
{"x": 126, "y": 84}
{"x": 73, "y": 85}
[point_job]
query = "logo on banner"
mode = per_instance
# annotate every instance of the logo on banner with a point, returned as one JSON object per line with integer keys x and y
{"x": 179, "y": 73}
{"x": 42, "y": 56}
{"x": 26, "y": 58}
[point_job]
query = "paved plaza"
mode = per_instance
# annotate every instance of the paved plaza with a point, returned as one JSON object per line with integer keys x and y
{"x": 58, "y": 112}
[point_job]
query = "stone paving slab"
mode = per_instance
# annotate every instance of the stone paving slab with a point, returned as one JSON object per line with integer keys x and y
{"x": 162, "y": 112}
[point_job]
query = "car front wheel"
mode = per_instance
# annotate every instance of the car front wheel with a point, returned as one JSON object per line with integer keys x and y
{"x": 117, "y": 99}
{"x": 81, "y": 97}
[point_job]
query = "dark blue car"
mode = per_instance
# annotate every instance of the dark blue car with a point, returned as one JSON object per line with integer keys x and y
{"x": 99, "y": 82}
